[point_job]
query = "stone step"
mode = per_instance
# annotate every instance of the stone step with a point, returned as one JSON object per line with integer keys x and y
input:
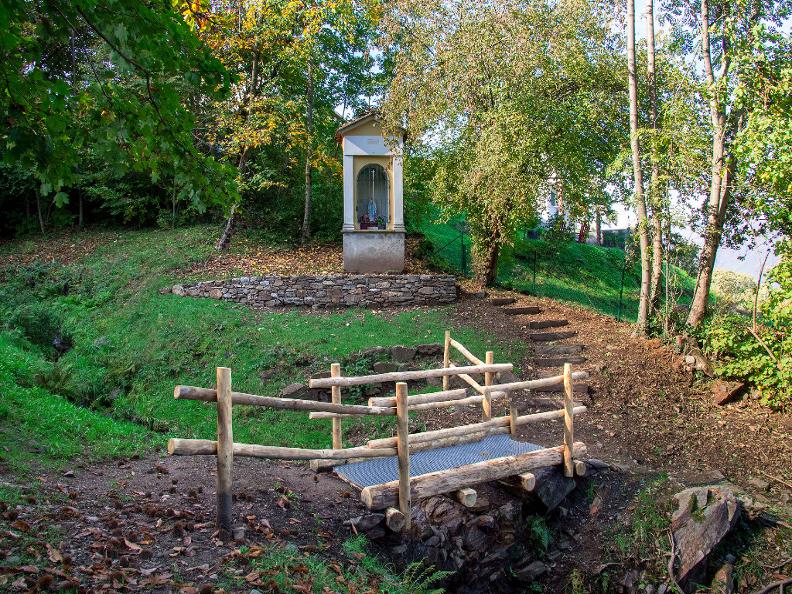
{"x": 549, "y": 336}
{"x": 539, "y": 324}
{"x": 500, "y": 301}
{"x": 558, "y": 349}
{"x": 519, "y": 311}
{"x": 558, "y": 361}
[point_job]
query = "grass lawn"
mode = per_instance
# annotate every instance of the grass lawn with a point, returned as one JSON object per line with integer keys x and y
{"x": 111, "y": 393}
{"x": 588, "y": 275}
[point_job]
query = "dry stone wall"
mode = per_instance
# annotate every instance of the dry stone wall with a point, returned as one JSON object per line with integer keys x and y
{"x": 326, "y": 291}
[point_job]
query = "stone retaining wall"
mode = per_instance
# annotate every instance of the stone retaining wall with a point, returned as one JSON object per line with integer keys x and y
{"x": 332, "y": 290}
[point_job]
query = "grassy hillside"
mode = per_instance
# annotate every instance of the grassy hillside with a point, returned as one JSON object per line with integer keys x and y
{"x": 128, "y": 345}
{"x": 589, "y": 275}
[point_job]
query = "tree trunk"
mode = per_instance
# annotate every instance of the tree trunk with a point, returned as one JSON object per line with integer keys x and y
{"x": 309, "y": 101}
{"x": 80, "y": 220}
{"x": 642, "y": 323}
{"x": 487, "y": 265}
{"x": 719, "y": 196}
{"x": 655, "y": 193}
{"x": 42, "y": 226}
{"x": 598, "y": 225}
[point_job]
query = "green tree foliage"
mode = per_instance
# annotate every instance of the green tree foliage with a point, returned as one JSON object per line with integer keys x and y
{"x": 508, "y": 96}
{"x": 111, "y": 79}
{"x": 262, "y": 128}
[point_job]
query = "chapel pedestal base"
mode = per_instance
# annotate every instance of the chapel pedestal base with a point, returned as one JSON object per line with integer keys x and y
{"x": 373, "y": 251}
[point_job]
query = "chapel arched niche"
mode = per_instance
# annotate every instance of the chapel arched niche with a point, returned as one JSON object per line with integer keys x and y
{"x": 373, "y": 197}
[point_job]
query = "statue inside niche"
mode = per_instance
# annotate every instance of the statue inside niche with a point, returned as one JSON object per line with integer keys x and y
{"x": 372, "y": 209}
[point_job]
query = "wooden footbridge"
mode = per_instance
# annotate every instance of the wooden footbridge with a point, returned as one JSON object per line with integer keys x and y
{"x": 393, "y": 471}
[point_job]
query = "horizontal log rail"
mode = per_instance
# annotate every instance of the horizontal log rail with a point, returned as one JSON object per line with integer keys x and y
{"x": 403, "y": 376}
{"x": 487, "y": 427}
{"x": 208, "y": 447}
{"x": 547, "y": 382}
{"x": 385, "y": 495}
{"x": 210, "y": 395}
{"x": 420, "y": 398}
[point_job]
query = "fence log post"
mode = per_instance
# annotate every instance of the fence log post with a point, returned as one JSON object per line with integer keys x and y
{"x": 225, "y": 452}
{"x": 403, "y": 449}
{"x": 335, "y": 371}
{"x": 446, "y": 357}
{"x": 569, "y": 421}
{"x": 486, "y": 405}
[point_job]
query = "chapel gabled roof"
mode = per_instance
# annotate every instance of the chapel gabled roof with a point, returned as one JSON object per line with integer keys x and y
{"x": 364, "y": 118}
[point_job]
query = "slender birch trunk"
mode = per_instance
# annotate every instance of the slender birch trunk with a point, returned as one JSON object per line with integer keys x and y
{"x": 642, "y": 322}
{"x": 655, "y": 192}
{"x": 309, "y": 107}
{"x": 719, "y": 195}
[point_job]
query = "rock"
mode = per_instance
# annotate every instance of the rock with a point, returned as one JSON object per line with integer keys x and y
{"x": 505, "y": 377}
{"x": 552, "y": 487}
{"x": 724, "y": 392}
{"x": 531, "y": 572}
{"x": 479, "y": 533}
{"x": 366, "y": 522}
{"x": 703, "y": 517}
{"x": 597, "y": 464}
{"x": 165, "y": 291}
{"x": 216, "y": 294}
{"x": 178, "y": 290}
{"x": 69, "y": 474}
{"x": 403, "y": 354}
{"x": 723, "y": 580}
{"x": 704, "y": 477}
{"x": 430, "y": 350}
{"x": 384, "y": 367}
{"x": 371, "y": 391}
{"x": 294, "y": 391}
{"x": 760, "y": 484}
{"x": 238, "y": 533}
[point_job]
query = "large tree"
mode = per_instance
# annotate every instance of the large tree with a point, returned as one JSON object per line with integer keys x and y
{"x": 507, "y": 96}
{"x": 109, "y": 76}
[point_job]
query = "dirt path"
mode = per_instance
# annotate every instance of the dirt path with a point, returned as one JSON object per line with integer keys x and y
{"x": 148, "y": 524}
{"x": 644, "y": 409}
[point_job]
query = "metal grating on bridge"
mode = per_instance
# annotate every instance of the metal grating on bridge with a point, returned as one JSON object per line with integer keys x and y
{"x": 383, "y": 470}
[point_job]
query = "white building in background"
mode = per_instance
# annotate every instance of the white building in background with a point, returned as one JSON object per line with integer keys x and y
{"x": 373, "y": 197}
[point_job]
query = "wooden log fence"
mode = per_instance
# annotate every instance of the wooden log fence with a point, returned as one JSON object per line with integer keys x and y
{"x": 395, "y": 497}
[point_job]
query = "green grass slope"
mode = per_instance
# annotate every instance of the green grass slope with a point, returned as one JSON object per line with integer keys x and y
{"x": 588, "y": 275}
{"x": 113, "y": 390}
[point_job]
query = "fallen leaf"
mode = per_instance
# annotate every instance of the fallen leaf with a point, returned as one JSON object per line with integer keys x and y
{"x": 54, "y": 554}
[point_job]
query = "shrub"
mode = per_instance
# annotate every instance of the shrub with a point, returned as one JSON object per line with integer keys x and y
{"x": 763, "y": 359}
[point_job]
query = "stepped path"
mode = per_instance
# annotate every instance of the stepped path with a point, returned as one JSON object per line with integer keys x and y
{"x": 645, "y": 409}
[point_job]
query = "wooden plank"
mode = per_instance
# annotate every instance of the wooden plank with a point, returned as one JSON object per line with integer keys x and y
{"x": 536, "y": 384}
{"x": 466, "y": 353}
{"x": 209, "y": 395}
{"x": 549, "y": 336}
{"x": 558, "y": 349}
{"x": 501, "y": 301}
{"x": 569, "y": 422}
{"x": 403, "y": 449}
{"x": 335, "y": 371}
{"x": 466, "y": 497}
{"x": 578, "y": 387}
{"x": 580, "y": 468}
{"x": 527, "y": 481}
{"x": 521, "y": 311}
{"x": 490, "y": 427}
{"x": 394, "y": 519}
{"x": 208, "y": 447}
{"x": 558, "y": 361}
{"x": 225, "y": 453}
{"x": 385, "y": 495}
{"x": 486, "y": 406}
{"x": 403, "y": 376}
{"x": 539, "y": 324}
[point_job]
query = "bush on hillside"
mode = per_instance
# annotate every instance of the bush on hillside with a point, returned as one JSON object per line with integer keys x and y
{"x": 764, "y": 359}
